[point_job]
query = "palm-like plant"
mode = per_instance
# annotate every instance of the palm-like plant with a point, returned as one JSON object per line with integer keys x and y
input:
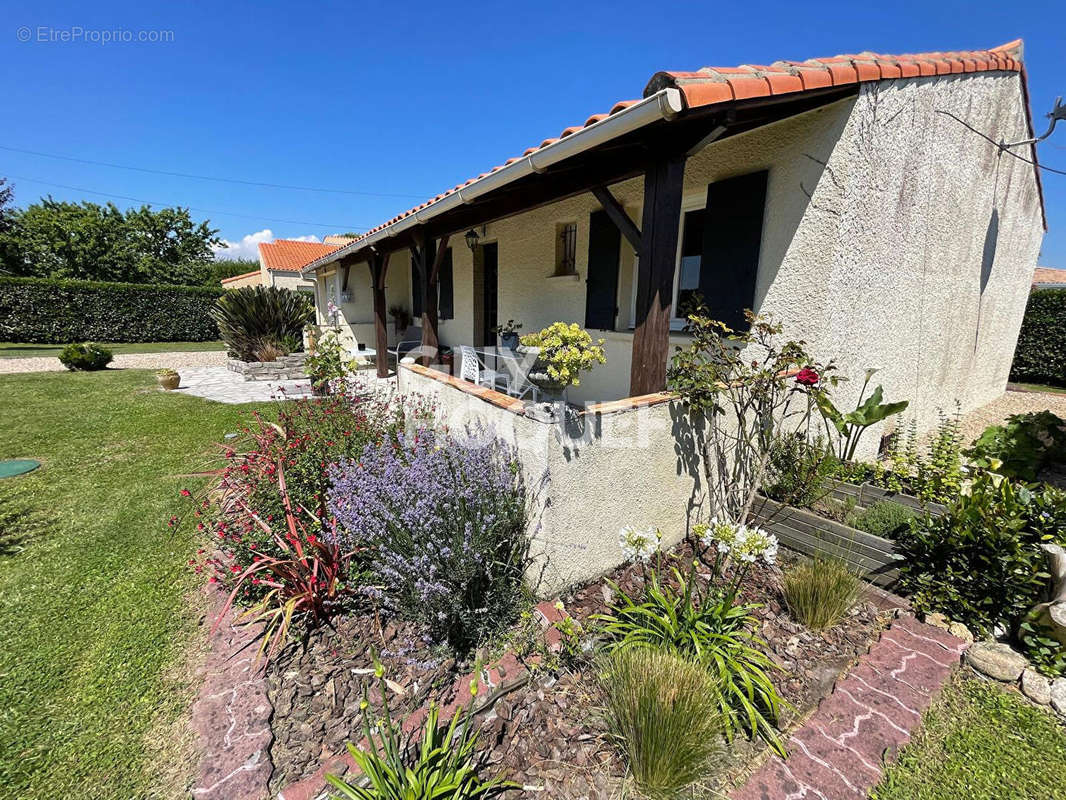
{"x": 253, "y": 317}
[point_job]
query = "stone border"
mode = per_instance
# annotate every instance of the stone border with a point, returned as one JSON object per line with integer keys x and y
{"x": 842, "y": 748}
{"x": 499, "y": 678}
{"x": 232, "y": 713}
{"x": 284, "y": 368}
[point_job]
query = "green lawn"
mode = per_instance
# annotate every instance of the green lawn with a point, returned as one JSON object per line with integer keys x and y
{"x": 24, "y": 350}
{"x": 1038, "y": 387}
{"x": 93, "y": 601}
{"x": 980, "y": 741}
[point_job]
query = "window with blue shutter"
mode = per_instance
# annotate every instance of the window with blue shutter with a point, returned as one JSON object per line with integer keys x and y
{"x": 446, "y": 301}
{"x": 601, "y": 293}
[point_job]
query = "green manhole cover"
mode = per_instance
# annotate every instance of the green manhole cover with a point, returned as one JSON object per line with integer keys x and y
{"x": 17, "y": 466}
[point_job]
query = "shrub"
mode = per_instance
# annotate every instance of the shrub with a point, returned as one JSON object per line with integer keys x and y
{"x": 328, "y": 364}
{"x": 433, "y": 761}
{"x": 254, "y": 318}
{"x": 304, "y": 583}
{"x": 1023, "y": 447}
{"x": 981, "y": 563}
{"x": 50, "y": 311}
{"x": 821, "y": 591}
{"x": 308, "y": 436}
{"x": 661, "y": 711}
{"x": 713, "y": 630}
{"x": 1040, "y": 356}
{"x": 445, "y": 519}
{"x": 797, "y": 470}
{"x": 86, "y": 357}
{"x": 744, "y": 392}
{"x": 884, "y": 518}
{"x": 566, "y": 351}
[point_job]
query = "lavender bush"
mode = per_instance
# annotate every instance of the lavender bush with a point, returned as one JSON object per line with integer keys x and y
{"x": 444, "y": 519}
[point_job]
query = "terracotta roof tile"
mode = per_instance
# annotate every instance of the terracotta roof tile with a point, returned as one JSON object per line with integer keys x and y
{"x": 291, "y": 256}
{"x": 1047, "y": 275}
{"x": 713, "y": 85}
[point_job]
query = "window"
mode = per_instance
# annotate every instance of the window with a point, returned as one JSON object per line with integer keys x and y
{"x": 719, "y": 255}
{"x": 566, "y": 249}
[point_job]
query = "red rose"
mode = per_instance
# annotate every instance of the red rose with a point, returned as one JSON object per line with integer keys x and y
{"x": 807, "y": 377}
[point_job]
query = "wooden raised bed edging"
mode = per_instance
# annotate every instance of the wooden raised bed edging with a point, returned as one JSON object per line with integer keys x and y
{"x": 809, "y": 533}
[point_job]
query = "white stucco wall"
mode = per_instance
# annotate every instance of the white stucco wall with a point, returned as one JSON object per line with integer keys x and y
{"x": 573, "y": 474}
{"x": 874, "y": 235}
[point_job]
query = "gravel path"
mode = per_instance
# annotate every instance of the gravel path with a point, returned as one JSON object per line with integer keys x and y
{"x": 203, "y": 358}
{"x": 994, "y": 413}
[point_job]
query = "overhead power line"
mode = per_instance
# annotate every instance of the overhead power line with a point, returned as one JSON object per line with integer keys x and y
{"x": 334, "y": 225}
{"x": 210, "y": 177}
{"x": 1000, "y": 145}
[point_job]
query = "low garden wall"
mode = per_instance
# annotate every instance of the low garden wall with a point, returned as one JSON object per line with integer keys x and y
{"x": 628, "y": 462}
{"x": 47, "y": 311}
{"x": 284, "y": 368}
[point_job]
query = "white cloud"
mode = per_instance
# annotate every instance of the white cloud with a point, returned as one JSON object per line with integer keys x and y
{"x": 248, "y": 246}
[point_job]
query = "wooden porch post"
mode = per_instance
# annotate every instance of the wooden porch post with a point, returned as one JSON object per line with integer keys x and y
{"x": 379, "y": 265}
{"x": 660, "y": 225}
{"x": 429, "y": 270}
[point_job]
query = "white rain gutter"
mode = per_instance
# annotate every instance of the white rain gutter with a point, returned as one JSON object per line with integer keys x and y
{"x": 665, "y": 104}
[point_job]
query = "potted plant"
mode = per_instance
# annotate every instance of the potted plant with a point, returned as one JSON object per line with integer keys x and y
{"x": 329, "y": 364}
{"x": 169, "y": 379}
{"x": 401, "y": 319}
{"x": 562, "y": 353}
{"x": 508, "y": 334}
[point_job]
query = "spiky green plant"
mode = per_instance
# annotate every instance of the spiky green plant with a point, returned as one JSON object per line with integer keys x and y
{"x": 252, "y": 317}
{"x": 714, "y": 630}
{"x": 436, "y": 762}
{"x": 821, "y": 591}
{"x": 662, "y": 713}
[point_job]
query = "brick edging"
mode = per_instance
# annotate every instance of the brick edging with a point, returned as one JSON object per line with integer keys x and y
{"x": 841, "y": 749}
{"x": 493, "y": 681}
{"x": 232, "y": 712}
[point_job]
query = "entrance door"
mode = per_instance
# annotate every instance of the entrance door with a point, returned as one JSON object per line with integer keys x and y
{"x": 490, "y": 254}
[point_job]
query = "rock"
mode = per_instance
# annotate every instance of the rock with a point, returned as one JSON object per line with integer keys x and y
{"x": 937, "y": 620}
{"x": 1058, "y": 695}
{"x": 1036, "y": 687}
{"x": 960, "y": 631}
{"x": 997, "y": 660}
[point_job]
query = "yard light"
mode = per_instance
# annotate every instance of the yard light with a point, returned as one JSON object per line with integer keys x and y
{"x": 471, "y": 239}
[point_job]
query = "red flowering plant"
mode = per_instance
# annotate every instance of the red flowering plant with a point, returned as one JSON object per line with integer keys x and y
{"x": 306, "y": 439}
{"x": 306, "y": 582}
{"x": 749, "y": 392}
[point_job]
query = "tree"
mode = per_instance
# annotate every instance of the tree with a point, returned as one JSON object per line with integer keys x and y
{"x": 89, "y": 241}
{"x": 7, "y": 224}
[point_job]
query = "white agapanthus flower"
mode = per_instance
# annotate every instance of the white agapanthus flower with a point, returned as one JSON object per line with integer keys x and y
{"x": 721, "y": 534}
{"x": 754, "y": 543}
{"x": 639, "y": 545}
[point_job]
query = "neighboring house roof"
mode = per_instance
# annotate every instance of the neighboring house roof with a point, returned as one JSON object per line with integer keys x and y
{"x": 723, "y": 85}
{"x": 286, "y": 255}
{"x": 1047, "y": 277}
{"x": 241, "y": 277}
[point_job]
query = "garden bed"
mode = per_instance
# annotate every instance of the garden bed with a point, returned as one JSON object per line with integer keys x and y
{"x": 283, "y": 368}
{"x": 808, "y": 532}
{"x": 544, "y": 731}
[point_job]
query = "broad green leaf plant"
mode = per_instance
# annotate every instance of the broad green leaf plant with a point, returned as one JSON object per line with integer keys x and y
{"x": 852, "y": 424}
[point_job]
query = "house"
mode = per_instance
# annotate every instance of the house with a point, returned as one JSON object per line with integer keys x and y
{"x": 280, "y": 262}
{"x": 861, "y": 200}
{"x": 1047, "y": 278}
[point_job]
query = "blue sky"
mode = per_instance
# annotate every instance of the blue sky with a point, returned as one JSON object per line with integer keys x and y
{"x": 404, "y": 100}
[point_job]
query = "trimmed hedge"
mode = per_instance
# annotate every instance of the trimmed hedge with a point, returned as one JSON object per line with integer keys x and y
{"x": 48, "y": 311}
{"x": 1041, "y": 353}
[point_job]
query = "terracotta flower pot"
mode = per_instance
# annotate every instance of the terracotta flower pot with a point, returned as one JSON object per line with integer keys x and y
{"x": 168, "y": 382}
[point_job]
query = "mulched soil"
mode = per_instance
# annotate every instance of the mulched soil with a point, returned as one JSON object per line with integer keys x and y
{"x": 545, "y": 733}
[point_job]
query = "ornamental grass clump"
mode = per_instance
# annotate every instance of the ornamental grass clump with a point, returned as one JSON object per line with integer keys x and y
{"x": 444, "y": 520}
{"x": 662, "y": 714}
{"x": 821, "y": 591}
